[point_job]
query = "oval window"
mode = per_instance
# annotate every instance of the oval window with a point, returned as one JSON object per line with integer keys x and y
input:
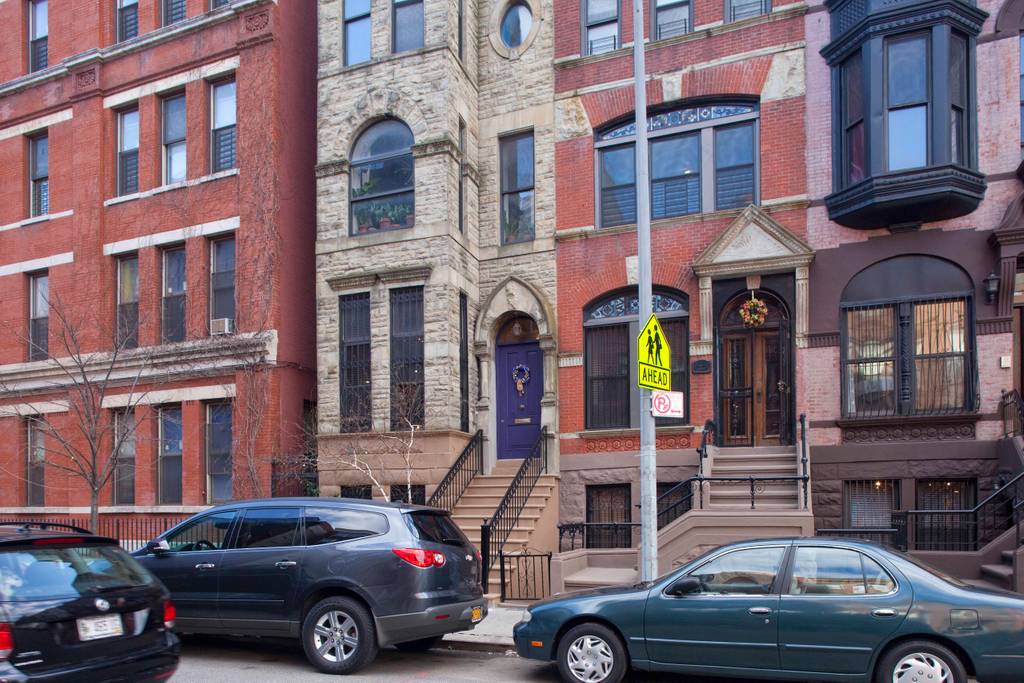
{"x": 516, "y": 25}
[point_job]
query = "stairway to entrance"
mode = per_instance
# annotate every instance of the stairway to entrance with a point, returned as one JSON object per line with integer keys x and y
{"x": 764, "y": 461}
{"x": 536, "y": 525}
{"x": 724, "y": 507}
{"x": 1001, "y": 574}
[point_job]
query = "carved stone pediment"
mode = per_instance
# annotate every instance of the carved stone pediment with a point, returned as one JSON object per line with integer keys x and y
{"x": 755, "y": 243}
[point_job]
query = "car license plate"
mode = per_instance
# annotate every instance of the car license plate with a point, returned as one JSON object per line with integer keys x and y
{"x": 94, "y": 628}
{"x": 478, "y": 614}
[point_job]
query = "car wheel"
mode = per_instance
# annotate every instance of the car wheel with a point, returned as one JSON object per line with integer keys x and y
{"x": 338, "y": 636}
{"x": 920, "y": 660}
{"x": 591, "y": 653}
{"x": 421, "y": 645}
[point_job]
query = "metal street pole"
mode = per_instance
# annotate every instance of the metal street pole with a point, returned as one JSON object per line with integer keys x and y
{"x": 648, "y": 452}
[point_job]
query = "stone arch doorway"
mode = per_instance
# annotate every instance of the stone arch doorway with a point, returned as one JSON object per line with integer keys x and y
{"x": 755, "y": 373}
{"x": 515, "y": 328}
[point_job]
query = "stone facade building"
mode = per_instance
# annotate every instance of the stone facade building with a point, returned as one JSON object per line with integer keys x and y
{"x": 435, "y": 236}
{"x": 156, "y": 231}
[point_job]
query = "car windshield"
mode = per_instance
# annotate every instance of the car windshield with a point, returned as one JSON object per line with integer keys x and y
{"x": 45, "y": 572}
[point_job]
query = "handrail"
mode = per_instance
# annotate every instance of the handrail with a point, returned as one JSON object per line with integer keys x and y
{"x": 969, "y": 529}
{"x": 495, "y": 531}
{"x": 615, "y": 534}
{"x": 804, "y": 461}
{"x": 469, "y": 464}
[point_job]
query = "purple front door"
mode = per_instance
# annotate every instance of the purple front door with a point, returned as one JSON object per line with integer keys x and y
{"x": 520, "y": 385}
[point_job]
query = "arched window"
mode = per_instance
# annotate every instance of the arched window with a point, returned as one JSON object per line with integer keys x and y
{"x": 381, "y": 179}
{"x": 908, "y": 339}
{"x": 701, "y": 158}
{"x": 610, "y": 328}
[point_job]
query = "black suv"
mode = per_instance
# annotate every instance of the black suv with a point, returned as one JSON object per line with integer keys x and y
{"x": 76, "y": 607}
{"x": 345, "y": 576}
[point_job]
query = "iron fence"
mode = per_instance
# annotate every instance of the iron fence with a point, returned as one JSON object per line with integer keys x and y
{"x": 596, "y": 535}
{"x": 469, "y": 464}
{"x": 525, "y": 576}
{"x": 131, "y": 531}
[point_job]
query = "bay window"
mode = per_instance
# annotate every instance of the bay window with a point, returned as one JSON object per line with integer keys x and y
{"x": 904, "y": 137}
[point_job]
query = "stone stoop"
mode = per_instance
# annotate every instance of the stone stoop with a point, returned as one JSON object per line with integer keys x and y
{"x": 481, "y": 499}
{"x": 1002, "y": 573}
{"x": 772, "y": 461}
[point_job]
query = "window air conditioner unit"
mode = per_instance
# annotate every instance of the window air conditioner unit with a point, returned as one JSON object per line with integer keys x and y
{"x": 222, "y": 326}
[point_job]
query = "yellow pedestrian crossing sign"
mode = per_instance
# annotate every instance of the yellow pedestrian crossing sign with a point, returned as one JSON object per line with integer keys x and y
{"x": 653, "y": 356}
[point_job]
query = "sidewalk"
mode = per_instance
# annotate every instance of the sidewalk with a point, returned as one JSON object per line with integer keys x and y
{"x": 493, "y": 634}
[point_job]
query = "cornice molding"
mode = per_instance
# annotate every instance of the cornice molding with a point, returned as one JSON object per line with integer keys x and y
{"x": 127, "y": 47}
{"x": 365, "y": 280}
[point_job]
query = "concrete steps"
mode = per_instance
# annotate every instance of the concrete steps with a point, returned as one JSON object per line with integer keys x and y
{"x": 479, "y": 502}
{"x": 771, "y": 461}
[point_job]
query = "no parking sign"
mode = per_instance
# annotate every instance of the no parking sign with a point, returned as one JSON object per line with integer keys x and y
{"x": 667, "y": 404}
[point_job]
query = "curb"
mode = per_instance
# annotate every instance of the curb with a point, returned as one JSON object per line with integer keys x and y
{"x": 489, "y": 646}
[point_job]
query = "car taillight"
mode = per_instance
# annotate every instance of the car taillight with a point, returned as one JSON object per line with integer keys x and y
{"x": 6, "y": 641}
{"x": 418, "y": 557}
{"x": 170, "y": 614}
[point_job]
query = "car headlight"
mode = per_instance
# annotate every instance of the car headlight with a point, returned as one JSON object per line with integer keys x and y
{"x": 526, "y": 617}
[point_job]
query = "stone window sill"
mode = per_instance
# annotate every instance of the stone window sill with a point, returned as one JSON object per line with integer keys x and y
{"x": 890, "y": 420}
{"x": 620, "y": 433}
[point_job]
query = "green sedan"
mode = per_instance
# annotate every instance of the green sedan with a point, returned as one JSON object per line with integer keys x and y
{"x": 808, "y": 609}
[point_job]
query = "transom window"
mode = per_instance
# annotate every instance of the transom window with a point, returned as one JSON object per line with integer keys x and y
{"x": 908, "y": 339}
{"x": 610, "y": 327}
{"x": 701, "y": 159}
{"x": 382, "y": 194}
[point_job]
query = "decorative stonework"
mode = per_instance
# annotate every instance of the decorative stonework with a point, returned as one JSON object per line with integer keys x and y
{"x": 85, "y": 79}
{"x": 963, "y": 430}
{"x": 257, "y": 22}
{"x": 387, "y": 276}
{"x": 443, "y": 145}
{"x": 330, "y": 168}
{"x": 632, "y": 443}
{"x": 755, "y": 243}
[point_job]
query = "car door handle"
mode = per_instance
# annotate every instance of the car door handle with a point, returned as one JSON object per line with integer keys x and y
{"x": 760, "y": 610}
{"x": 203, "y": 566}
{"x": 284, "y": 564}
{"x": 884, "y": 612}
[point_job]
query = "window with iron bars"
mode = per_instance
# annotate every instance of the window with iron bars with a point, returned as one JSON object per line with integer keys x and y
{"x": 672, "y": 18}
{"x": 745, "y": 9}
{"x": 407, "y": 398}
{"x": 869, "y": 503}
{"x": 354, "y": 363}
{"x": 600, "y": 26}
{"x": 909, "y": 358}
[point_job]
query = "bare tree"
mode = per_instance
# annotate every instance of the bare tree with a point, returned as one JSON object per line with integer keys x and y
{"x": 85, "y": 441}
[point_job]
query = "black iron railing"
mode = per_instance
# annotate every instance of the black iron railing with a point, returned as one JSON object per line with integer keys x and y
{"x": 889, "y": 536}
{"x": 804, "y": 459}
{"x": 1011, "y": 408}
{"x": 525, "y": 575}
{"x": 673, "y": 28}
{"x": 596, "y": 535}
{"x": 966, "y": 530}
{"x": 495, "y": 531}
{"x": 469, "y": 464}
{"x": 132, "y": 532}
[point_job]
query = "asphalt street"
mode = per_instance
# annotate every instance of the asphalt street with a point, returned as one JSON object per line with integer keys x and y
{"x": 215, "y": 660}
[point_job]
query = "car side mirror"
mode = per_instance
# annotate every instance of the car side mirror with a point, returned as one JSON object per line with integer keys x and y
{"x": 684, "y": 586}
{"x": 158, "y": 546}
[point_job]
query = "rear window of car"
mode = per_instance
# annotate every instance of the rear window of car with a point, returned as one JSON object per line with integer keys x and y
{"x": 330, "y": 525}
{"x": 437, "y": 528}
{"x": 44, "y": 572}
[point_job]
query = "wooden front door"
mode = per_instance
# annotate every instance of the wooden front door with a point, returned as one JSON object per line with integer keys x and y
{"x": 754, "y": 386}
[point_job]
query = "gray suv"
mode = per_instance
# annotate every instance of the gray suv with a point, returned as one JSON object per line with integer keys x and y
{"x": 345, "y": 576}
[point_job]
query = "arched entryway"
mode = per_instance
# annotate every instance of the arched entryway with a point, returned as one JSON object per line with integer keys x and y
{"x": 519, "y": 386}
{"x": 755, "y": 370}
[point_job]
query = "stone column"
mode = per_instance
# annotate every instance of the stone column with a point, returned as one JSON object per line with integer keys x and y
{"x": 547, "y": 345}
{"x": 706, "y": 322}
{"x": 802, "y": 306}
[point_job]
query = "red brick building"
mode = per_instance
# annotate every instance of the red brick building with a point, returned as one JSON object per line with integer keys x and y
{"x": 729, "y": 214}
{"x": 156, "y": 247}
